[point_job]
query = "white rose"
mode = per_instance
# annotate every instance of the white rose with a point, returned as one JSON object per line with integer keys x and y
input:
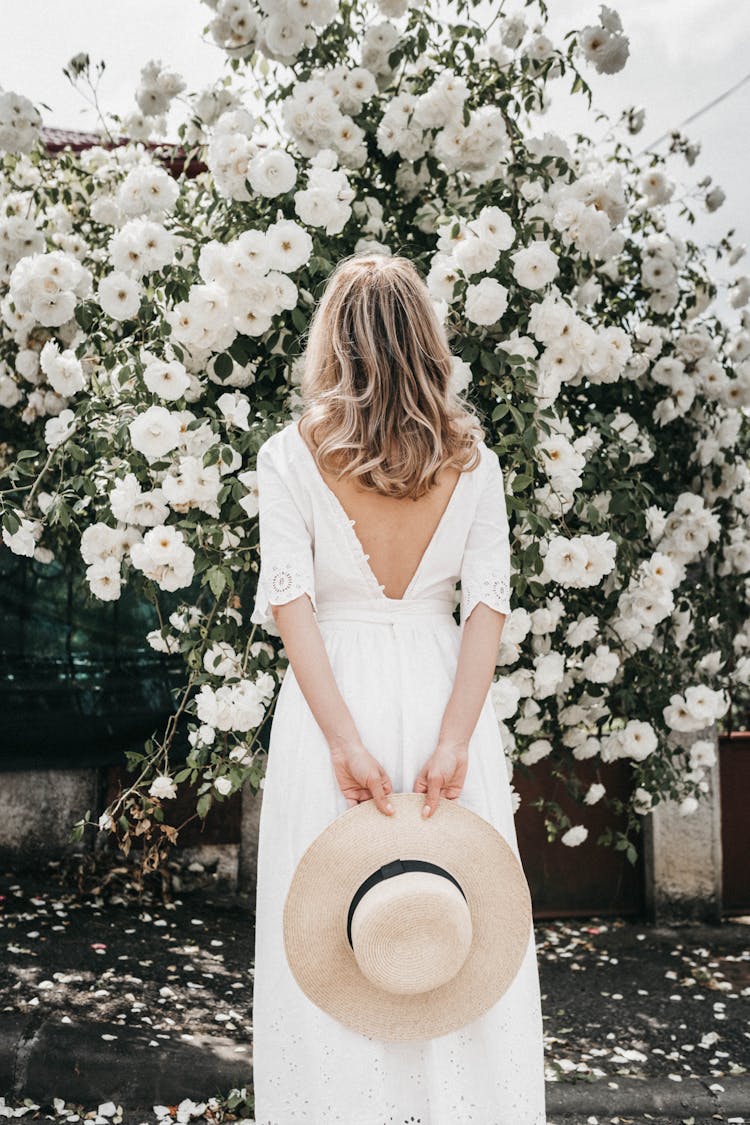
{"x": 594, "y": 793}
{"x": 574, "y": 836}
{"x": 566, "y": 560}
{"x": 486, "y": 302}
{"x": 272, "y": 173}
{"x": 535, "y": 266}
{"x": 57, "y": 430}
{"x": 494, "y": 226}
{"x": 167, "y": 379}
{"x": 235, "y": 408}
{"x": 163, "y": 787}
{"x": 601, "y": 666}
{"x": 638, "y": 740}
{"x": 475, "y": 255}
{"x": 155, "y": 432}
{"x": 289, "y": 246}
{"x": 119, "y": 295}
{"x": 536, "y": 750}
{"x": 104, "y": 579}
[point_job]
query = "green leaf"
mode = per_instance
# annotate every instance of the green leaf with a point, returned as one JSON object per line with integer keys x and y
{"x": 11, "y": 522}
{"x": 223, "y": 365}
{"x": 216, "y": 580}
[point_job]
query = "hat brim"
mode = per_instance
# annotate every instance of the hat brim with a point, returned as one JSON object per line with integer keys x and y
{"x": 349, "y": 849}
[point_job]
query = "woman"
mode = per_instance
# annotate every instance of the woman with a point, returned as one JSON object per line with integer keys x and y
{"x": 384, "y": 692}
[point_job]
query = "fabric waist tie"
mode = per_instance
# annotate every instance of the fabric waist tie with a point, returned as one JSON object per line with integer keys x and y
{"x": 389, "y": 612}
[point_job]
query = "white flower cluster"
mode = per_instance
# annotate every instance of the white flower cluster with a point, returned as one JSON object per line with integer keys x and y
{"x": 58, "y": 429}
{"x": 63, "y": 369}
{"x": 158, "y": 88}
{"x": 102, "y": 549}
{"x": 414, "y": 124}
{"x": 280, "y": 30}
{"x": 23, "y": 541}
{"x": 636, "y": 740}
{"x": 326, "y": 201}
{"x": 237, "y": 706}
{"x": 164, "y": 556}
{"x": 663, "y": 255}
{"x": 379, "y": 40}
{"x": 563, "y": 459}
{"x": 580, "y": 562}
{"x": 585, "y": 214}
{"x": 191, "y": 484}
{"x": 573, "y": 349}
{"x": 604, "y": 44}
{"x": 246, "y": 284}
{"x": 132, "y": 505}
{"x": 236, "y": 160}
{"x": 45, "y": 289}
{"x": 695, "y": 708}
{"x": 222, "y": 660}
{"x": 695, "y": 369}
{"x": 318, "y": 113}
{"x": 20, "y": 123}
{"x": 142, "y": 246}
{"x": 19, "y": 237}
{"x": 684, "y": 535}
{"x": 647, "y": 600}
{"x": 602, "y": 665}
{"x": 147, "y": 191}
{"x": 207, "y": 107}
{"x": 736, "y": 554}
{"x": 476, "y": 248}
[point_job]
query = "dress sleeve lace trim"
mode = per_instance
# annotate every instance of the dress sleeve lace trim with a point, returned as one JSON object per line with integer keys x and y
{"x": 493, "y": 589}
{"x": 281, "y": 581}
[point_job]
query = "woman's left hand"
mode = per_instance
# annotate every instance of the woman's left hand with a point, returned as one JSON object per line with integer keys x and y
{"x": 443, "y": 773}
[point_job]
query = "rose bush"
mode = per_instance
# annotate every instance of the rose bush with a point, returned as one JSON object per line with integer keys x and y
{"x": 152, "y": 336}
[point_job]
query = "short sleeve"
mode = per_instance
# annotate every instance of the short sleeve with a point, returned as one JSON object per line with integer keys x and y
{"x": 485, "y": 568}
{"x": 286, "y": 549}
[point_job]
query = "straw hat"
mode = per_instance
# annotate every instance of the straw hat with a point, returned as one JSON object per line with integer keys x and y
{"x": 402, "y": 927}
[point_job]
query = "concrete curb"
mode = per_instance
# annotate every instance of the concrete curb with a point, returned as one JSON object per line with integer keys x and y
{"x": 43, "y": 1058}
{"x": 656, "y": 1095}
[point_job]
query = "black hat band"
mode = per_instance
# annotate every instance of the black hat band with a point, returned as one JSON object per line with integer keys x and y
{"x": 387, "y": 871}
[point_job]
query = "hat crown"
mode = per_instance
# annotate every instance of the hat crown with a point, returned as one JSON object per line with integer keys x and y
{"x": 411, "y": 933}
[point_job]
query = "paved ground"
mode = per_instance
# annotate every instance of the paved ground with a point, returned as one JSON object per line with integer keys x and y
{"x": 107, "y": 999}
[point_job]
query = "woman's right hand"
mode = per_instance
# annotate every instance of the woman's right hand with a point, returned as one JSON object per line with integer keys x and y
{"x": 360, "y": 777}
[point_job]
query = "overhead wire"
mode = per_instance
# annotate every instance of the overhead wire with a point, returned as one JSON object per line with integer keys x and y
{"x": 698, "y": 113}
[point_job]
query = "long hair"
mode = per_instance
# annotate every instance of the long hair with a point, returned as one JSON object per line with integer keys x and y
{"x": 378, "y": 403}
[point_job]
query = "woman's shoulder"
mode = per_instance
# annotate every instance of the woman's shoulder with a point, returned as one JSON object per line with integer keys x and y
{"x": 280, "y": 445}
{"x": 486, "y": 454}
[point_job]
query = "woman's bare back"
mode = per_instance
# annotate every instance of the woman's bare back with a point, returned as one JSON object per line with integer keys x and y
{"x": 394, "y": 532}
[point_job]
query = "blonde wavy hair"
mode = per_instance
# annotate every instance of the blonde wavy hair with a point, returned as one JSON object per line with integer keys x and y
{"x": 376, "y": 381}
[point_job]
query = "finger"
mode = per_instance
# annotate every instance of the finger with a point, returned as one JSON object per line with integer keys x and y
{"x": 387, "y": 785}
{"x": 434, "y": 783}
{"x": 379, "y": 796}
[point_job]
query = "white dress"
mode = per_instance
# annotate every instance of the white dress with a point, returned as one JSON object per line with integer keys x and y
{"x": 394, "y": 661}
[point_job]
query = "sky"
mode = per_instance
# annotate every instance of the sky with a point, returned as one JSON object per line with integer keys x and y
{"x": 683, "y": 53}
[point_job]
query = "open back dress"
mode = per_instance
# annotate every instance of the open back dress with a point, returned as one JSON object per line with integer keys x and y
{"x": 394, "y": 660}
